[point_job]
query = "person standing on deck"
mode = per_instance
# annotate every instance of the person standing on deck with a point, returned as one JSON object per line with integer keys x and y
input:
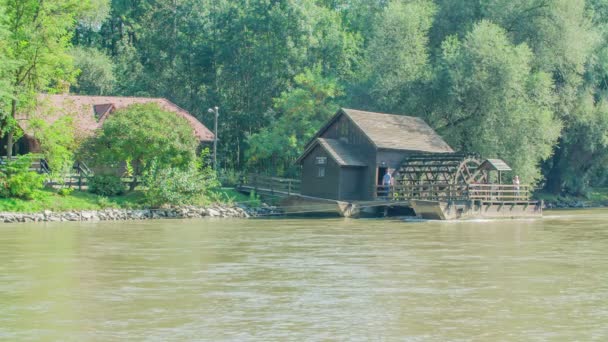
{"x": 387, "y": 181}
{"x": 516, "y": 183}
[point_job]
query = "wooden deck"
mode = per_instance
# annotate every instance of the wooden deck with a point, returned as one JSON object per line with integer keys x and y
{"x": 434, "y": 201}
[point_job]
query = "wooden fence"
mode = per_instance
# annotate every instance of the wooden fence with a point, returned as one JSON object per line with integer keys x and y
{"x": 500, "y": 192}
{"x": 80, "y": 181}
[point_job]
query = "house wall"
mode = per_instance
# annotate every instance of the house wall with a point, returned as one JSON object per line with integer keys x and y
{"x": 315, "y": 186}
{"x": 344, "y": 129}
{"x": 352, "y": 183}
{"x": 24, "y": 145}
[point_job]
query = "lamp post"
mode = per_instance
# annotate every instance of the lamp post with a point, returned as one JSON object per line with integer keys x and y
{"x": 215, "y": 110}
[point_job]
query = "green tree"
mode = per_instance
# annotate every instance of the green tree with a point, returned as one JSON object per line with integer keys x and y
{"x": 38, "y": 38}
{"x": 238, "y": 55}
{"x": 496, "y": 105}
{"x": 142, "y": 135}
{"x": 5, "y": 64}
{"x": 397, "y": 55}
{"x": 96, "y": 72}
{"x": 300, "y": 112}
{"x": 57, "y": 142}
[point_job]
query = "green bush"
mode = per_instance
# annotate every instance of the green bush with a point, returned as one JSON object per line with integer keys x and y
{"x": 16, "y": 180}
{"x": 106, "y": 185}
{"x": 177, "y": 187}
{"x": 25, "y": 185}
{"x": 65, "y": 191}
{"x": 230, "y": 178}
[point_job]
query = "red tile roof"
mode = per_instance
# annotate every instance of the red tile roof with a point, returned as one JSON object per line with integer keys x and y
{"x": 91, "y": 111}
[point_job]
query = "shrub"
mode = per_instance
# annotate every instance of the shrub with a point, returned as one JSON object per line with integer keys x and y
{"x": 230, "y": 178}
{"x": 65, "y": 191}
{"x": 24, "y": 185}
{"x": 177, "y": 187}
{"x": 106, "y": 185}
{"x": 16, "y": 179}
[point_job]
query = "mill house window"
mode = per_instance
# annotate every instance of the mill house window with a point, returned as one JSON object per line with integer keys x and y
{"x": 321, "y": 162}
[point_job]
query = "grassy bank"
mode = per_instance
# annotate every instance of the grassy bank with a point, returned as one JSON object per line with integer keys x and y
{"x": 81, "y": 200}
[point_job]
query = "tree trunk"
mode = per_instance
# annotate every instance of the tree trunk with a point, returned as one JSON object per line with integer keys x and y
{"x": 10, "y": 133}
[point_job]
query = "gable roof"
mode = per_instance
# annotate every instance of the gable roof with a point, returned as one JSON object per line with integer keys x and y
{"x": 90, "y": 112}
{"x": 340, "y": 152}
{"x": 495, "y": 165}
{"x": 397, "y": 132}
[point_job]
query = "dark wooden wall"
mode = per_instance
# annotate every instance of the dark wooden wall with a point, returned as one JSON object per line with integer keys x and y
{"x": 323, "y": 187}
{"x": 351, "y": 183}
{"x": 348, "y": 183}
{"x": 344, "y": 129}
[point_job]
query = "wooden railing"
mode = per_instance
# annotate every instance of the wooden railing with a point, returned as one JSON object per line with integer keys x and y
{"x": 272, "y": 184}
{"x": 453, "y": 192}
{"x": 80, "y": 181}
{"x": 500, "y": 192}
{"x": 36, "y": 161}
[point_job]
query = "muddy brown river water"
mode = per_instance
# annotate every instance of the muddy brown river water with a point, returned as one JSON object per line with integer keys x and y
{"x": 307, "y": 280}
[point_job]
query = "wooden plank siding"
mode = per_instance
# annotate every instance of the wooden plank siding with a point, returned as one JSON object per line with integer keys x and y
{"x": 346, "y": 130}
{"x": 351, "y": 187}
{"x": 315, "y": 186}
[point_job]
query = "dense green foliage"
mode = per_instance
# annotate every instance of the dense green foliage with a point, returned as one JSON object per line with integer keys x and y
{"x": 17, "y": 181}
{"x": 522, "y": 80}
{"x": 106, "y": 185}
{"x": 58, "y": 143}
{"x": 140, "y": 136}
{"x": 299, "y": 113}
{"x": 178, "y": 186}
{"x": 35, "y": 37}
{"x": 96, "y": 72}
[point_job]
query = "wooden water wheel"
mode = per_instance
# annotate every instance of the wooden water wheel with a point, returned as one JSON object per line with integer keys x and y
{"x": 437, "y": 176}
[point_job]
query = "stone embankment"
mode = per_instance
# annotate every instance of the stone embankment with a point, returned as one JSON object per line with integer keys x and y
{"x": 184, "y": 212}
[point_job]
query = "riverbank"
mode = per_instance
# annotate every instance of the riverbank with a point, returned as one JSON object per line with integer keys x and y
{"x": 48, "y": 206}
{"x": 81, "y": 200}
{"x": 597, "y": 198}
{"x": 184, "y": 212}
{"x": 129, "y": 214}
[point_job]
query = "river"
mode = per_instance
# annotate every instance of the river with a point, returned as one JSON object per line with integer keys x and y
{"x": 307, "y": 279}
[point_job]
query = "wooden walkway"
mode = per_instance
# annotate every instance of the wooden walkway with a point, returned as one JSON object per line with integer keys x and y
{"x": 283, "y": 187}
{"x": 435, "y": 201}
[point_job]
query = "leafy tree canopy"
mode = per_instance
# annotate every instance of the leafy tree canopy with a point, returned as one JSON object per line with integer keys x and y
{"x": 140, "y": 135}
{"x": 300, "y": 112}
{"x": 496, "y": 105}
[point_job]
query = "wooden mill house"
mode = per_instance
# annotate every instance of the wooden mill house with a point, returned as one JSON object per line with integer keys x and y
{"x": 348, "y": 157}
{"x": 346, "y": 160}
